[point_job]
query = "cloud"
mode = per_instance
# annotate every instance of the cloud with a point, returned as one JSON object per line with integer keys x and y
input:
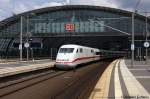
{"x": 48, "y": 4}
{"x": 7, "y": 8}
{"x": 19, "y": 6}
{"x": 130, "y": 4}
{"x": 120, "y": 4}
{"x": 106, "y": 3}
{"x": 26, "y": 6}
{"x": 4, "y": 1}
{"x": 3, "y": 14}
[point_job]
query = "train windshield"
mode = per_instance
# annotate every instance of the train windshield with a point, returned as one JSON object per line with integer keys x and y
{"x": 66, "y": 50}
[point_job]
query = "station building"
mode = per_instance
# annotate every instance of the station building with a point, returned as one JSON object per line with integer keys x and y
{"x": 48, "y": 28}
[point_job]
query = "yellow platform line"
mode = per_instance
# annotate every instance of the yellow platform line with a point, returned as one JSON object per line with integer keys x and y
{"x": 117, "y": 84}
{"x": 101, "y": 89}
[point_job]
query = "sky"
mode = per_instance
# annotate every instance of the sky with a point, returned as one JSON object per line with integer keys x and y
{"x": 10, "y": 7}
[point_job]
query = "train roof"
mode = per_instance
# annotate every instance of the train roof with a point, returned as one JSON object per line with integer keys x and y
{"x": 75, "y": 46}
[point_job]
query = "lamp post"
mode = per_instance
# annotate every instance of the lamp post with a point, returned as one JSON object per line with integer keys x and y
{"x": 132, "y": 43}
{"x": 20, "y": 45}
{"x": 28, "y": 35}
{"x": 146, "y": 56}
{"x": 21, "y": 38}
{"x": 27, "y": 40}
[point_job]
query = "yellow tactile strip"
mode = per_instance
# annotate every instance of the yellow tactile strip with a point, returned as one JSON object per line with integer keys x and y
{"x": 101, "y": 89}
{"x": 117, "y": 84}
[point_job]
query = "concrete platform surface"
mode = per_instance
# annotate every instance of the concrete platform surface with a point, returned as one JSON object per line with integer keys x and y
{"x": 122, "y": 81}
{"x": 13, "y": 68}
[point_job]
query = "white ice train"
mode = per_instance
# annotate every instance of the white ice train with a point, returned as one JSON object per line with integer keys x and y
{"x": 69, "y": 56}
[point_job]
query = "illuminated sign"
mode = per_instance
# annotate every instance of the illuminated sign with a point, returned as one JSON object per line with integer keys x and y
{"x": 69, "y": 27}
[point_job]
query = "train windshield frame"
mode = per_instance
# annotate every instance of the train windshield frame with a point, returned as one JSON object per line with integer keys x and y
{"x": 66, "y": 50}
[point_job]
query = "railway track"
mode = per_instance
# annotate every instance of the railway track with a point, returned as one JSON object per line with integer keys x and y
{"x": 55, "y": 84}
{"x": 84, "y": 86}
{"x": 8, "y": 87}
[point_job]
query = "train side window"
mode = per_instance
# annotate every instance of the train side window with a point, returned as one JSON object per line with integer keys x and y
{"x": 97, "y": 53}
{"x": 81, "y": 50}
{"x": 92, "y": 51}
{"x": 77, "y": 51}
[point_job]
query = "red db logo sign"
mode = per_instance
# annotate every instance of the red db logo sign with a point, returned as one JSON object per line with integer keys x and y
{"x": 69, "y": 27}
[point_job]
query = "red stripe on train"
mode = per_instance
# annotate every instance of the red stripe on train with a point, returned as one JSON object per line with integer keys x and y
{"x": 78, "y": 59}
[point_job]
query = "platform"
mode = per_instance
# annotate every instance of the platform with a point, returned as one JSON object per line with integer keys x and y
{"x": 13, "y": 68}
{"x": 123, "y": 81}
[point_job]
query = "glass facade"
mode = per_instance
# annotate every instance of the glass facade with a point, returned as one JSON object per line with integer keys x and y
{"x": 55, "y": 22}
